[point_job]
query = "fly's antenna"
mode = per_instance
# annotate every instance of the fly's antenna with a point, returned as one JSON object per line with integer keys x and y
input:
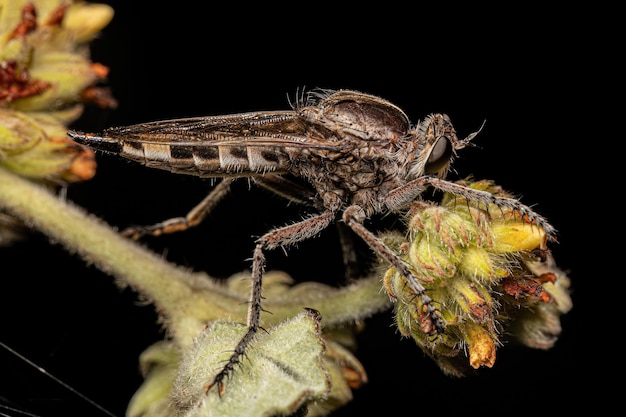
{"x": 471, "y": 136}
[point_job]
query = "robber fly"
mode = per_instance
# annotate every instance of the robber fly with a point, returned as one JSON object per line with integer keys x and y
{"x": 359, "y": 154}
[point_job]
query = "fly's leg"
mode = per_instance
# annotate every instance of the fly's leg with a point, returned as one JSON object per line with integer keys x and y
{"x": 284, "y": 236}
{"x": 287, "y": 189}
{"x": 299, "y": 194}
{"x": 350, "y": 258}
{"x": 354, "y": 216}
{"x": 403, "y": 195}
{"x": 192, "y": 219}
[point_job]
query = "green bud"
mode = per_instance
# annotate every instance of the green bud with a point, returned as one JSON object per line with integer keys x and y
{"x": 481, "y": 264}
{"x": 35, "y": 146}
{"x": 67, "y": 75}
{"x": 85, "y": 20}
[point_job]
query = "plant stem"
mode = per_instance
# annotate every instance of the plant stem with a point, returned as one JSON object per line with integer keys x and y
{"x": 186, "y": 300}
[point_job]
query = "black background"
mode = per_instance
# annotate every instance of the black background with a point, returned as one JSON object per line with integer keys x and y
{"x": 512, "y": 70}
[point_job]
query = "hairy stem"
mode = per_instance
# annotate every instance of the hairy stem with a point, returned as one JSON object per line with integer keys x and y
{"x": 186, "y": 299}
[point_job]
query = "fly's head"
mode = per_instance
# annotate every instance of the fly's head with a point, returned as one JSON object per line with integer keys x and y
{"x": 437, "y": 146}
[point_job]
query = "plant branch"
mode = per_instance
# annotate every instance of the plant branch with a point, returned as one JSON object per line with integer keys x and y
{"x": 186, "y": 300}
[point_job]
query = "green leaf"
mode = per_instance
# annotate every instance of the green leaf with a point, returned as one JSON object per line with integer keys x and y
{"x": 281, "y": 371}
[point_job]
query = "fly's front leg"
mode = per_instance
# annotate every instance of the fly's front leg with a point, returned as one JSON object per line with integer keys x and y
{"x": 402, "y": 196}
{"x": 283, "y": 236}
{"x": 354, "y": 216}
{"x": 192, "y": 219}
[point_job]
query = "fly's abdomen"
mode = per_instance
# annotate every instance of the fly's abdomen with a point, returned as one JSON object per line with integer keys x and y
{"x": 208, "y": 160}
{"x": 203, "y": 159}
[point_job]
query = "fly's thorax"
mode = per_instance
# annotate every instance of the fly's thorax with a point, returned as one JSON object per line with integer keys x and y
{"x": 359, "y": 177}
{"x": 350, "y": 113}
{"x": 335, "y": 197}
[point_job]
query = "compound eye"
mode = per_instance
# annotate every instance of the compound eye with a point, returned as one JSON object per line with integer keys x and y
{"x": 439, "y": 157}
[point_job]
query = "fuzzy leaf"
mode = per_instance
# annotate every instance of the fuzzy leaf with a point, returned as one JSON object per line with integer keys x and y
{"x": 281, "y": 371}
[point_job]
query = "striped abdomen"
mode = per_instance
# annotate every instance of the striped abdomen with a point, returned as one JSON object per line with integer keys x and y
{"x": 206, "y": 160}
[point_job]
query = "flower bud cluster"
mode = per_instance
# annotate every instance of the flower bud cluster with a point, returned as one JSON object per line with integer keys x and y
{"x": 46, "y": 77}
{"x": 489, "y": 272}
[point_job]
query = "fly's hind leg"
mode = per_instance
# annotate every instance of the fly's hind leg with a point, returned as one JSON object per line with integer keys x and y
{"x": 284, "y": 236}
{"x": 192, "y": 219}
{"x": 351, "y": 262}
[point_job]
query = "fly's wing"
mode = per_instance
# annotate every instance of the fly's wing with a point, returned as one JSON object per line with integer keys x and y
{"x": 243, "y": 144}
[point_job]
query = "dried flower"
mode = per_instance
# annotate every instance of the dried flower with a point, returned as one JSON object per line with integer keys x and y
{"x": 45, "y": 76}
